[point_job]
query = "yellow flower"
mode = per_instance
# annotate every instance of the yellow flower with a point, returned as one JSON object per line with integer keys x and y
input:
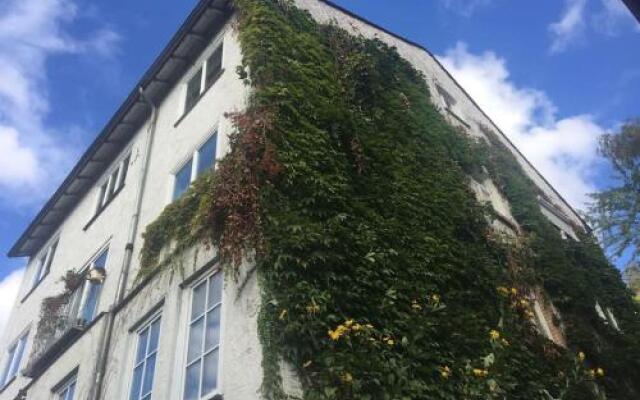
{"x": 348, "y": 323}
{"x": 390, "y": 342}
{"x": 581, "y": 356}
{"x": 445, "y": 372}
{"x": 480, "y": 373}
{"x": 592, "y": 372}
{"x": 503, "y": 291}
{"x": 369, "y": 326}
{"x": 313, "y": 308}
{"x": 338, "y": 332}
{"x": 346, "y": 378}
{"x": 505, "y": 342}
{"x": 283, "y": 314}
{"x": 494, "y": 334}
{"x": 356, "y": 327}
{"x": 514, "y": 291}
{"x": 415, "y": 305}
{"x": 524, "y": 303}
{"x": 600, "y": 372}
{"x": 435, "y": 298}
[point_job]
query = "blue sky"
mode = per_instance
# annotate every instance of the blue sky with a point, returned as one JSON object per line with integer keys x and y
{"x": 553, "y": 74}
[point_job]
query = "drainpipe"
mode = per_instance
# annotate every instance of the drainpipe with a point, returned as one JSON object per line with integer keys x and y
{"x": 107, "y": 333}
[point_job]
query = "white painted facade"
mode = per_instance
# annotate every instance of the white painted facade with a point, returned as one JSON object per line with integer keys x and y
{"x": 81, "y": 236}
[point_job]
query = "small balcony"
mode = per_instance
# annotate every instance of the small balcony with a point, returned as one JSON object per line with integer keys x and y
{"x": 63, "y": 318}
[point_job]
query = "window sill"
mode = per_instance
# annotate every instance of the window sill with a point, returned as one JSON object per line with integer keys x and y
{"x": 6, "y": 385}
{"x": 34, "y": 287}
{"x": 104, "y": 207}
{"x": 186, "y": 112}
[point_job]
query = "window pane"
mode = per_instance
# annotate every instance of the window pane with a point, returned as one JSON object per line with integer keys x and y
{"x": 125, "y": 169}
{"x": 52, "y": 254}
{"x": 92, "y": 301}
{"x": 182, "y": 180}
{"x": 153, "y": 338}
{"x": 212, "y": 335}
{"x": 71, "y": 391}
{"x": 101, "y": 261}
{"x": 195, "y": 340}
{"x": 142, "y": 346}
{"x": 148, "y": 375}
{"x": 114, "y": 182}
{"x": 103, "y": 193}
{"x": 192, "y": 382}
{"x": 135, "y": 384}
{"x": 197, "y": 303}
{"x": 207, "y": 154}
{"x": 215, "y": 290}
{"x": 7, "y": 366}
{"x": 17, "y": 357}
{"x": 214, "y": 65}
{"x": 39, "y": 271}
{"x": 193, "y": 90}
{"x": 210, "y": 373}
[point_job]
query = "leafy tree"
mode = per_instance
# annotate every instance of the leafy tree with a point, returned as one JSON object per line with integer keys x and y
{"x": 615, "y": 212}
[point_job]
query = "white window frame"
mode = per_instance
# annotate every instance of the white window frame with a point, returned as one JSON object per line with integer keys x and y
{"x": 112, "y": 186}
{"x": 87, "y": 285}
{"x": 11, "y": 362}
{"x": 194, "y": 157}
{"x": 201, "y": 66}
{"x": 146, "y": 326}
{"x": 187, "y": 325}
{"x": 61, "y": 392}
{"x": 44, "y": 261}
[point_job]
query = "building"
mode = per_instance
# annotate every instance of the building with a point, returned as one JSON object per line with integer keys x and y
{"x": 97, "y": 332}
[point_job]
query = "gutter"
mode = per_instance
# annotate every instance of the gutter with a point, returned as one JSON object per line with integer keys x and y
{"x": 107, "y": 332}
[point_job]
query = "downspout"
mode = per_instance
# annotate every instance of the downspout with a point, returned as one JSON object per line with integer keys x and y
{"x": 107, "y": 333}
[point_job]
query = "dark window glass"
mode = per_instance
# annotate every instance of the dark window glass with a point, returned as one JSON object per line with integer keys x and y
{"x": 125, "y": 169}
{"x": 193, "y": 90}
{"x": 182, "y": 180}
{"x": 207, "y": 154}
{"x": 214, "y": 66}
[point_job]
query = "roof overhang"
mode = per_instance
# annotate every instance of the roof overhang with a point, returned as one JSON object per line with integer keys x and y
{"x": 180, "y": 54}
{"x": 634, "y": 7}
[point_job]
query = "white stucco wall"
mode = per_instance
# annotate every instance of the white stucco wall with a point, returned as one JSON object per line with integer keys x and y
{"x": 174, "y": 143}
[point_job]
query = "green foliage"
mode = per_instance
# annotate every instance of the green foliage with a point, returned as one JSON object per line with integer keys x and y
{"x": 378, "y": 267}
{"x": 615, "y": 212}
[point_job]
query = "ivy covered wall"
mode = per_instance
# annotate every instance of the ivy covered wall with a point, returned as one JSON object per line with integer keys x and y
{"x": 381, "y": 275}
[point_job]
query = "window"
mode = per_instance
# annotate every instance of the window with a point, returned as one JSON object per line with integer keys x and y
{"x": 13, "y": 360}
{"x": 182, "y": 180}
{"x": 214, "y": 67}
{"x": 448, "y": 99}
{"x": 112, "y": 185}
{"x": 201, "y": 370}
{"x": 67, "y": 390}
{"x": 193, "y": 90}
{"x": 202, "y": 160}
{"x": 44, "y": 264}
{"x": 210, "y": 71}
{"x": 92, "y": 290}
{"x": 145, "y": 362}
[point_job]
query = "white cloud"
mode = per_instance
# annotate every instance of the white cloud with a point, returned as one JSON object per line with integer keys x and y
{"x": 583, "y": 17}
{"x": 33, "y": 155}
{"x": 570, "y": 27}
{"x": 464, "y": 7}
{"x": 9, "y": 287}
{"x": 563, "y": 150}
{"x": 614, "y": 18}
